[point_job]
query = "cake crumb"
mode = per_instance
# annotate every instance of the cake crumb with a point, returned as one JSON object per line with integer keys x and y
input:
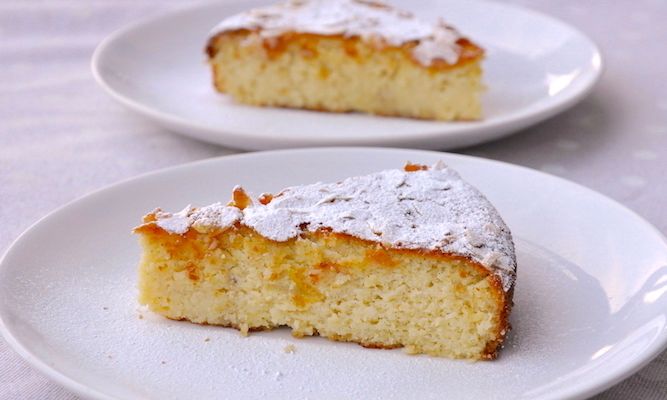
{"x": 207, "y": 339}
{"x": 290, "y": 349}
{"x": 141, "y": 316}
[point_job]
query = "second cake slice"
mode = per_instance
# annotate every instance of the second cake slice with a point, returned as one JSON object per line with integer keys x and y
{"x": 347, "y": 55}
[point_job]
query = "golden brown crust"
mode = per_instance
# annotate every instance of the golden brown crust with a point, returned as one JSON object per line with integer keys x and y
{"x": 493, "y": 347}
{"x": 240, "y": 198}
{"x": 275, "y": 46}
{"x": 409, "y": 167}
{"x": 265, "y": 198}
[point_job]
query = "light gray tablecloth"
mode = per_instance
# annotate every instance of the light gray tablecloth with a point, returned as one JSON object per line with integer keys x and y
{"x": 61, "y": 136}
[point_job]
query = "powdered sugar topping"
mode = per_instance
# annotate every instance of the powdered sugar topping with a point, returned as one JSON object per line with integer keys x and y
{"x": 178, "y": 222}
{"x": 372, "y": 21}
{"x": 430, "y": 209}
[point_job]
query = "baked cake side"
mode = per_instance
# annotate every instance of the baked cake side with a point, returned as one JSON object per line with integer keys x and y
{"x": 416, "y": 259}
{"x": 347, "y": 55}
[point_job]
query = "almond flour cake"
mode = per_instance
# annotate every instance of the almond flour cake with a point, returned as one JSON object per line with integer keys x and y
{"x": 413, "y": 258}
{"x": 347, "y": 55}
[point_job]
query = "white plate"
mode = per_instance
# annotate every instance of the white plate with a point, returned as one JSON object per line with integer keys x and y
{"x": 590, "y": 296}
{"x": 536, "y": 67}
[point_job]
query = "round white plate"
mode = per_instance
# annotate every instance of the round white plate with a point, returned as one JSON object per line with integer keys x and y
{"x": 536, "y": 67}
{"x": 589, "y": 310}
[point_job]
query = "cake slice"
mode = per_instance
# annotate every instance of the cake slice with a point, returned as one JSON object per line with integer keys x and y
{"x": 414, "y": 258}
{"x": 347, "y": 55}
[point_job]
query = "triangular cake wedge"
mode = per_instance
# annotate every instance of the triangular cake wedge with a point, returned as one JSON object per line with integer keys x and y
{"x": 414, "y": 258}
{"x": 347, "y": 55}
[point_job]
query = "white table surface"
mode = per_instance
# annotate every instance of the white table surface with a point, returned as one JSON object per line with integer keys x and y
{"x": 62, "y": 137}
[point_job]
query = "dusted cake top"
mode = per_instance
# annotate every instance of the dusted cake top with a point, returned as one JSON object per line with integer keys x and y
{"x": 430, "y": 209}
{"x": 370, "y": 20}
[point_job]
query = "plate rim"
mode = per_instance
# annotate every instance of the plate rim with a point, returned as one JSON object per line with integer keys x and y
{"x": 494, "y": 129}
{"x": 591, "y": 387}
